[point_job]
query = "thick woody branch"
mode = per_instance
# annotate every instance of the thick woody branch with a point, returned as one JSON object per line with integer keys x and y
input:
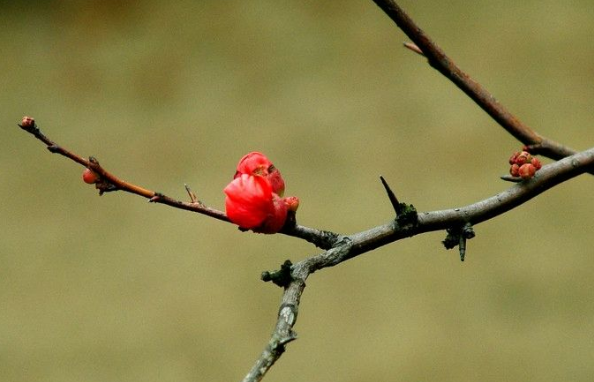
{"x": 445, "y": 65}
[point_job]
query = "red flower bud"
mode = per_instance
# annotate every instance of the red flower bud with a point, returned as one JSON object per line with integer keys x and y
{"x": 536, "y": 163}
{"x": 523, "y": 157}
{"x": 527, "y": 170}
{"x": 514, "y": 170}
{"x": 256, "y": 163}
{"x": 512, "y": 159}
{"x": 89, "y": 176}
{"x": 292, "y": 203}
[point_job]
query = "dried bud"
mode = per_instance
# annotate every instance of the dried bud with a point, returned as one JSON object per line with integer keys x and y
{"x": 27, "y": 122}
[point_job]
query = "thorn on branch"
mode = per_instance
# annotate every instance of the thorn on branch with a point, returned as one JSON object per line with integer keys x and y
{"x": 391, "y": 196}
{"x": 282, "y": 277}
{"x": 413, "y": 47}
{"x": 513, "y": 179}
{"x": 193, "y": 197}
{"x": 457, "y": 236}
{"x": 406, "y": 214}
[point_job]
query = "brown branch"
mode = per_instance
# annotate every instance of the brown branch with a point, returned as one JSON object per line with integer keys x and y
{"x": 110, "y": 182}
{"x": 441, "y": 62}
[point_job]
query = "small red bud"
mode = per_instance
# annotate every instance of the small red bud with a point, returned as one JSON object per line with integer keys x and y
{"x": 514, "y": 170}
{"x": 536, "y": 163}
{"x": 513, "y": 158}
{"x": 292, "y": 203}
{"x": 523, "y": 157}
{"x": 527, "y": 170}
{"x": 27, "y": 122}
{"x": 89, "y": 176}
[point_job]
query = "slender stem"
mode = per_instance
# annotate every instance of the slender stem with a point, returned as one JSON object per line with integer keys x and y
{"x": 441, "y": 62}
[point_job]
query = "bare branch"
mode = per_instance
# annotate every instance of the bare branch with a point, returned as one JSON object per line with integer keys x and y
{"x": 339, "y": 248}
{"x": 439, "y": 60}
{"x": 347, "y": 247}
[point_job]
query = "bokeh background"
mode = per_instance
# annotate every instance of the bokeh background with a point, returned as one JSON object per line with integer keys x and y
{"x": 113, "y": 288}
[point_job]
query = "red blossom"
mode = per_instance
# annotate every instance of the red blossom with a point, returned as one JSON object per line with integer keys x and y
{"x": 527, "y": 170}
{"x": 256, "y": 163}
{"x": 275, "y": 220}
{"x": 253, "y": 199}
{"x": 249, "y": 200}
{"x": 523, "y": 165}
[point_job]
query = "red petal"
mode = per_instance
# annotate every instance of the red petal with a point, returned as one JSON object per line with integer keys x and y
{"x": 249, "y": 201}
{"x": 275, "y": 220}
{"x": 254, "y": 163}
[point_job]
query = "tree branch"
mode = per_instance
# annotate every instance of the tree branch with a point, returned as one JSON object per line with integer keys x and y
{"x": 407, "y": 223}
{"x": 446, "y": 66}
{"x": 348, "y": 247}
{"x": 110, "y": 182}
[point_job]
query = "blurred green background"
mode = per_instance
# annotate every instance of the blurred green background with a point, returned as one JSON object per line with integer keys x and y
{"x": 165, "y": 93}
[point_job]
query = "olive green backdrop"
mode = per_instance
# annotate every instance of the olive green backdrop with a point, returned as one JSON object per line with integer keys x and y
{"x": 113, "y": 288}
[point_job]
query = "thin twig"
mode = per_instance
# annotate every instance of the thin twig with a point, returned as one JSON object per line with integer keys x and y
{"x": 320, "y": 238}
{"x": 117, "y": 183}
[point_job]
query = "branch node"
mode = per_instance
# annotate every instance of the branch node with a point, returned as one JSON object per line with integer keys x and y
{"x": 282, "y": 277}
{"x": 457, "y": 236}
{"x": 53, "y": 148}
{"x": 406, "y": 214}
{"x": 156, "y": 198}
